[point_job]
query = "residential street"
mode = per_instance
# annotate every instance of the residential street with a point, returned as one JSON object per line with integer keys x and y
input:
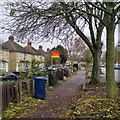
{"x": 117, "y": 74}
{"x": 59, "y": 97}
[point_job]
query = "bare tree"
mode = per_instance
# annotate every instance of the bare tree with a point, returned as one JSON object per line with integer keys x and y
{"x": 76, "y": 48}
{"x": 111, "y": 10}
{"x": 59, "y": 20}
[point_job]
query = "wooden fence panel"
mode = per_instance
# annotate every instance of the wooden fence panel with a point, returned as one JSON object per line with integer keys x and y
{"x": 26, "y": 86}
{"x": 19, "y": 89}
{"x": 3, "y": 96}
{"x": 16, "y": 93}
{"x": 6, "y": 97}
{"x": 13, "y": 92}
{"x": 32, "y": 92}
{"x": 10, "y": 93}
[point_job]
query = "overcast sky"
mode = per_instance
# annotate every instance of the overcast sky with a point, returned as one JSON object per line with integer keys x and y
{"x": 4, "y": 37}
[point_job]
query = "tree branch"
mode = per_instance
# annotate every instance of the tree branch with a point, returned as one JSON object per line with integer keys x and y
{"x": 100, "y": 8}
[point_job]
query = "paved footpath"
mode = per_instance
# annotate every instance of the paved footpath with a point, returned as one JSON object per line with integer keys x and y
{"x": 58, "y": 98}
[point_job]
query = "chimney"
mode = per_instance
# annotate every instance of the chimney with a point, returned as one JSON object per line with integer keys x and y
{"x": 11, "y": 39}
{"x": 40, "y": 47}
{"x": 48, "y": 49}
{"x": 29, "y": 43}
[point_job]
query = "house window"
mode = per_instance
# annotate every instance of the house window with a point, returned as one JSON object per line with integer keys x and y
{"x": 21, "y": 54}
{"x": 28, "y": 65}
{"x": 2, "y": 65}
{"x": 26, "y": 55}
{"x": 41, "y": 58}
{"x": 1, "y": 52}
{"x": 22, "y": 65}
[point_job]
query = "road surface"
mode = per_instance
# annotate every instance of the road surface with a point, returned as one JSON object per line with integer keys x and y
{"x": 117, "y": 74}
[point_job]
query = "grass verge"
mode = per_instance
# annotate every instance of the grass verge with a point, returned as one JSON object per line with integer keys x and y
{"x": 91, "y": 103}
{"x": 19, "y": 110}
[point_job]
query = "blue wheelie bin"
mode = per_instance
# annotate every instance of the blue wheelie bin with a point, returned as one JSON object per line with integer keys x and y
{"x": 40, "y": 87}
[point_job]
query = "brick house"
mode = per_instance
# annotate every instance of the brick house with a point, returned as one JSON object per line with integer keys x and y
{"x": 42, "y": 54}
{"x": 16, "y": 55}
{"x": 37, "y": 55}
{"x": 4, "y": 59}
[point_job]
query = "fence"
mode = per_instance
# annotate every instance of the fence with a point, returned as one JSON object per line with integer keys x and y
{"x": 28, "y": 85}
{"x": 12, "y": 92}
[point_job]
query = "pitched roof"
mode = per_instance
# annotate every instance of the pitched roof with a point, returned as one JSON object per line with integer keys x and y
{"x": 13, "y": 46}
{"x": 41, "y": 52}
{"x": 31, "y": 50}
{"x": 3, "y": 48}
{"x": 2, "y": 60}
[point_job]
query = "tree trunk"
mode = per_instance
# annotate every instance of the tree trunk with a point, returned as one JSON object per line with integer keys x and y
{"x": 110, "y": 77}
{"x": 96, "y": 68}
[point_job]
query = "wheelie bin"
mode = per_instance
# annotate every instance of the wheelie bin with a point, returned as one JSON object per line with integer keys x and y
{"x": 40, "y": 87}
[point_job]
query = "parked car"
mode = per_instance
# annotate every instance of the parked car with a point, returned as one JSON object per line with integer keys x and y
{"x": 102, "y": 65}
{"x": 64, "y": 68}
{"x": 44, "y": 69}
{"x": 54, "y": 67}
{"x": 117, "y": 66}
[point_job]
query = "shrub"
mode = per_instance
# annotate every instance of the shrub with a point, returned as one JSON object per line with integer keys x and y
{"x": 66, "y": 73}
{"x": 89, "y": 73}
{"x": 30, "y": 74}
{"x": 52, "y": 79}
{"x": 49, "y": 88}
{"x": 74, "y": 69}
{"x": 75, "y": 65}
{"x": 42, "y": 73}
{"x": 6, "y": 82}
{"x": 23, "y": 74}
{"x": 59, "y": 75}
{"x": 83, "y": 65}
{"x": 1, "y": 74}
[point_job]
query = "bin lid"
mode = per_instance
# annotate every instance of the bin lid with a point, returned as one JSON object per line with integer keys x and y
{"x": 40, "y": 78}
